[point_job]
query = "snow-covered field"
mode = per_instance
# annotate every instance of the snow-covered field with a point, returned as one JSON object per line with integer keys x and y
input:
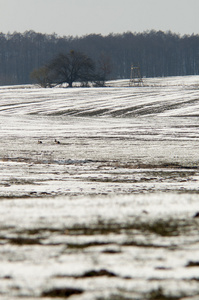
{"x": 107, "y": 212}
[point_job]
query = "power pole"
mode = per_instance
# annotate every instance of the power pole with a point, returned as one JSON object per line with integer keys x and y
{"x": 135, "y": 77}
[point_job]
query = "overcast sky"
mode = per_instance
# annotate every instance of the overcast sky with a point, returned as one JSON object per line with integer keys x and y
{"x": 80, "y": 17}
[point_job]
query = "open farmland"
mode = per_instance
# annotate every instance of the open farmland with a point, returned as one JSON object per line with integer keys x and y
{"x": 99, "y": 189}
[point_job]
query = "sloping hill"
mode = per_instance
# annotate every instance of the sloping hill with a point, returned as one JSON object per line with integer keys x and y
{"x": 172, "y": 96}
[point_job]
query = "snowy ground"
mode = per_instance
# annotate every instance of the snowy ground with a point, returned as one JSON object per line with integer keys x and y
{"x": 108, "y": 212}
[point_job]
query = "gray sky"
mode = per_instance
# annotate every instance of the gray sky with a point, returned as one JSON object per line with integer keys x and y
{"x": 80, "y": 17}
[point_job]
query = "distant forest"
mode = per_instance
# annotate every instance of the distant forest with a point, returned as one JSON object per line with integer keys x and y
{"x": 157, "y": 53}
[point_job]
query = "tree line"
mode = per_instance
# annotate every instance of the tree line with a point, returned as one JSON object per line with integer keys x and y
{"x": 157, "y": 53}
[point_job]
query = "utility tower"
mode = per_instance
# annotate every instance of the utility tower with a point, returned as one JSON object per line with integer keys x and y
{"x": 135, "y": 77}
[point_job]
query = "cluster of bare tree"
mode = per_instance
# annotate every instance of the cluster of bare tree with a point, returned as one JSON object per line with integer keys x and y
{"x": 156, "y": 52}
{"x": 70, "y": 68}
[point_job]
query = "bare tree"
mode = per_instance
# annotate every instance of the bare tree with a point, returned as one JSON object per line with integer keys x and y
{"x": 104, "y": 70}
{"x": 41, "y": 76}
{"x": 71, "y": 67}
